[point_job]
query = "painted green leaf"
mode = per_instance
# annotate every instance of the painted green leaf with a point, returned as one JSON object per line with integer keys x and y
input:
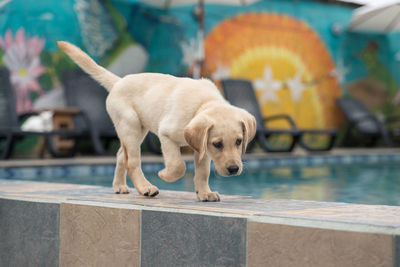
{"x": 46, "y": 82}
{"x": 46, "y": 58}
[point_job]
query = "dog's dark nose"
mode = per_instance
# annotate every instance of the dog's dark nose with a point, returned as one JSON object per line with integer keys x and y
{"x": 233, "y": 169}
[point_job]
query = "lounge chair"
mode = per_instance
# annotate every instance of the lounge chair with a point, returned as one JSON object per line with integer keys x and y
{"x": 241, "y": 93}
{"x": 10, "y": 129}
{"x": 365, "y": 124}
{"x": 89, "y": 96}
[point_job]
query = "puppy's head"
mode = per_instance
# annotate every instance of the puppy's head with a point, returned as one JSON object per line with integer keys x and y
{"x": 223, "y": 134}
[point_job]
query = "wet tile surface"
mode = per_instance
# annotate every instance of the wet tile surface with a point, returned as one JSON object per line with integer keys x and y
{"x": 192, "y": 240}
{"x": 98, "y": 236}
{"x": 49, "y": 188}
{"x": 367, "y": 214}
{"x": 29, "y": 233}
{"x": 261, "y": 206}
{"x": 280, "y": 245}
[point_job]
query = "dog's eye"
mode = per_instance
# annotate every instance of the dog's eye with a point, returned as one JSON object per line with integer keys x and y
{"x": 218, "y": 145}
{"x": 238, "y": 142}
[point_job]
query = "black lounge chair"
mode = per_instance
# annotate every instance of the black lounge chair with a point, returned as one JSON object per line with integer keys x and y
{"x": 241, "y": 93}
{"x": 363, "y": 125}
{"x": 84, "y": 93}
{"x": 10, "y": 129}
{"x": 87, "y": 95}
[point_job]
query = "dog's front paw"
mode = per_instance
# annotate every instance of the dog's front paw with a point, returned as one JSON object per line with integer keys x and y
{"x": 148, "y": 191}
{"x": 169, "y": 175}
{"x": 208, "y": 196}
{"x": 121, "y": 189}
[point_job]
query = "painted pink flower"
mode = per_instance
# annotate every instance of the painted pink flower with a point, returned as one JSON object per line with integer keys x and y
{"x": 21, "y": 56}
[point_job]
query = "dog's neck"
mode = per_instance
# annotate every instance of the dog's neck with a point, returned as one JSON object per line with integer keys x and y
{"x": 210, "y": 104}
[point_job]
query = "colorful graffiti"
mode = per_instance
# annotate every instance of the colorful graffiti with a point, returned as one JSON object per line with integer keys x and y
{"x": 35, "y": 63}
{"x": 22, "y": 58}
{"x": 298, "y": 64}
{"x": 34, "y": 72}
{"x": 378, "y": 89}
{"x": 286, "y": 60}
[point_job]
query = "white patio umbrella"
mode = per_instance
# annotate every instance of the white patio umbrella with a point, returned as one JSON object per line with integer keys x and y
{"x": 199, "y": 12}
{"x": 380, "y": 17}
{"x": 175, "y": 3}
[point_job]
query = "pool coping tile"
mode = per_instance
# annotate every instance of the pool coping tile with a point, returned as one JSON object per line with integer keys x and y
{"x": 351, "y": 213}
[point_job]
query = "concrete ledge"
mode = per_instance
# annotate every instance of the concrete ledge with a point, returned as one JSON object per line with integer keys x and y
{"x": 46, "y": 224}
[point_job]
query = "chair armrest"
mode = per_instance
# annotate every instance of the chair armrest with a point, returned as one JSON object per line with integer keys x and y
{"x": 365, "y": 117}
{"x": 280, "y": 117}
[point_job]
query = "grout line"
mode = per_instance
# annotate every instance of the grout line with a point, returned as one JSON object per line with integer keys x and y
{"x": 396, "y": 251}
{"x": 59, "y": 237}
{"x": 247, "y": 243}
{"x": 140, "y": 238}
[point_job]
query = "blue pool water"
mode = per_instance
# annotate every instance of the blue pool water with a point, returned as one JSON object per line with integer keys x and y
{"x": 367, "y": 183}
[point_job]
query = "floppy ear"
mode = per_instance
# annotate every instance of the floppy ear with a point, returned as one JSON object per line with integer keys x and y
{"x": 249, "y": 127}
{"x": 196, "y": 134}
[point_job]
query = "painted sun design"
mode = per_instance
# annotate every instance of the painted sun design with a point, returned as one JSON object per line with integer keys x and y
{"x": 295, "y": 56}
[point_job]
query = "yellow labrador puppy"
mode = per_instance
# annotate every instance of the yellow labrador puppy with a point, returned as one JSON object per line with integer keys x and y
{"x": 180, "y": 111}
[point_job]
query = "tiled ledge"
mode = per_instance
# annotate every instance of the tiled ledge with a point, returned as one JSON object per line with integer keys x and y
{"x": 43, "y": 224}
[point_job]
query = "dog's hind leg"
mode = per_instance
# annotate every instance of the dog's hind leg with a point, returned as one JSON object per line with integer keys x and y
{"x": 133, "y": 162}
{"x": 119, "y": 182}
{"x": 131, "y": 134}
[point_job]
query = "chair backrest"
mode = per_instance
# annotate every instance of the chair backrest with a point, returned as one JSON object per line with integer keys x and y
{"x": 83, "y": 92}
{"x": 241, "y": 93}
{"x": 359, "y": 115}
{"x": 8, "y": 112}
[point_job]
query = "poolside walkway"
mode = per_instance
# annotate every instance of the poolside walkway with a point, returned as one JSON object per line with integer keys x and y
{"x": 73, "y": 225}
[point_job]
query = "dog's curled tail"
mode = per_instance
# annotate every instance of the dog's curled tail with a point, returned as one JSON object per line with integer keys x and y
{"x": 100, "y": 74}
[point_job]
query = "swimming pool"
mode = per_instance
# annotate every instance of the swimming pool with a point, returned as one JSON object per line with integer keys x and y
{"x": 366, "y": 179}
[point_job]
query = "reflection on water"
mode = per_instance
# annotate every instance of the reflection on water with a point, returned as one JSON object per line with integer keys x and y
{"x": 364, "y": 183}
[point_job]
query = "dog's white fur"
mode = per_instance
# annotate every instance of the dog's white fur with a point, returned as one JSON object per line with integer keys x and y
{"x": 180, "y": 111}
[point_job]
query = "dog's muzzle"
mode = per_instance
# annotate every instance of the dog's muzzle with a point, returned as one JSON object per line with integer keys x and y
{"x": 233, "y": 169}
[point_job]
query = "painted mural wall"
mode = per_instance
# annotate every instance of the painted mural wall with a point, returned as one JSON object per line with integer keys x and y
{"x": 371, "y": 67}
{"x": 29, "y": 31}
{"x": 296, "y": 53}
{"x": 288, "y": 63}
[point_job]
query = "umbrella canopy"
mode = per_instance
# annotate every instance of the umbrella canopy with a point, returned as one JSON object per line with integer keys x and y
{"x": 176, "y": 3}
{"x": 382, "y": 17}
